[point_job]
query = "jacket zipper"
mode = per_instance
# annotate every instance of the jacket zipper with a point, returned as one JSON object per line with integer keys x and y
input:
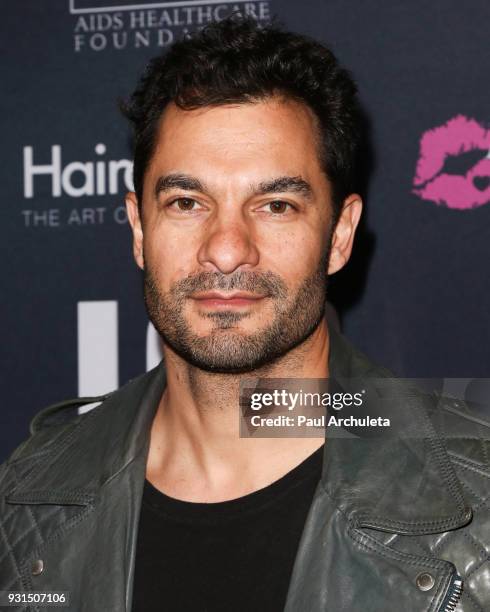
{"x": 453, "y": 594}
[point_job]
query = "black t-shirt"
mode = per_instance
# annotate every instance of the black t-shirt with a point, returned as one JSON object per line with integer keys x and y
{"x": 234, "y": 555}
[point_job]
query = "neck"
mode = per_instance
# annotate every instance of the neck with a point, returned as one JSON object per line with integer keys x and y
{"x": 196, "y": 452}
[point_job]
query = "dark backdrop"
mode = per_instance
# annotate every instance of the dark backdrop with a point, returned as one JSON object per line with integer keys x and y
{"x": 416, "y": 295}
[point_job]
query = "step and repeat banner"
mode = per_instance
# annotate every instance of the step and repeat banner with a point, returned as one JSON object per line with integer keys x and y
{"x": 416, "y": 295}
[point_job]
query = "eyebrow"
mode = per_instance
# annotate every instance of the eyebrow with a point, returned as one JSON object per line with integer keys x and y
{"x": 178, "y": 181}
{"x": 281, "y": 184}
{"x": 291, "y": 184}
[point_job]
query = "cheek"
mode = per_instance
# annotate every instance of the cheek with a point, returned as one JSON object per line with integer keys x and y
{"x": 292, "y": 254}
{"x": 168, "y": 256}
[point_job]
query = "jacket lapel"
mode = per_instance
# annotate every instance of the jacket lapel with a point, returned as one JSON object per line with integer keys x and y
{"x": 78, "y": 503}
{"x": 401, "y": 485}
{"x": 83, "y": 494}
{"x": 401, "y": 482}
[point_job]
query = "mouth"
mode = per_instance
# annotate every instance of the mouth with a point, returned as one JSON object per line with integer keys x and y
{"x": 237, "y": 299}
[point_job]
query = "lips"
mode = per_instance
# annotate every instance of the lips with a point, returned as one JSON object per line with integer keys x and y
{"x": 217, "y": 299}
{"x": 453, "y": 168}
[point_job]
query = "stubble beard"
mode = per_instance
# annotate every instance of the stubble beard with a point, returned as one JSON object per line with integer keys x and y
{"x": 295, "y": 318}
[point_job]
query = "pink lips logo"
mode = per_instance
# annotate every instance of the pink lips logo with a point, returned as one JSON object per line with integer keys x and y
{"x": 453, "y": 168}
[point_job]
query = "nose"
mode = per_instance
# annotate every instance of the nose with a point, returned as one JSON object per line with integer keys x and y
{"x": 228, "y": 245}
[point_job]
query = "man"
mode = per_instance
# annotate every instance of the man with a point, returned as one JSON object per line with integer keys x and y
{"x": 245, "y": 200}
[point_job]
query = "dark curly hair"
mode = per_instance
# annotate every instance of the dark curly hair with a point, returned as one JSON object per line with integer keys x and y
{"x": 238, "y": 61}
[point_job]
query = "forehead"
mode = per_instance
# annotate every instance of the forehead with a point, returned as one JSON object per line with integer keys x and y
{"x": 250, "y": 139}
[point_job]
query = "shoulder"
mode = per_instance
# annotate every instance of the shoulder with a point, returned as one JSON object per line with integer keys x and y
{"x": 465, "y": 429}
{"x": 94, "y": 441}
{"x": 64, "y": 411}
{"x": 48, "y": 427}
{"x": 59, "y": 420}
{"x": 53, "y": 422}
{"x": 71, "y": 416}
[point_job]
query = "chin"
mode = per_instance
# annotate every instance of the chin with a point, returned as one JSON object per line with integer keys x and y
{"x": 228, "y": 351}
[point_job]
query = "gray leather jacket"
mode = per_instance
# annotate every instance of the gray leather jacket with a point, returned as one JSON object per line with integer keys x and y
{"x": 394, "y": 525}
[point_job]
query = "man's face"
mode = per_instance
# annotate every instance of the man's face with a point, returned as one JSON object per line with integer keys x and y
{"x": 235, "y": 232}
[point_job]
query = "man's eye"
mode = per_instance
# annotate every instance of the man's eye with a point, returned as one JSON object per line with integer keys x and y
{"x": 278, "y": 207}
{"x": 183, "y": 204}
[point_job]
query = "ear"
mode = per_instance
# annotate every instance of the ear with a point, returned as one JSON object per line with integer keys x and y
{"x": 135, "y": 222}
{"x": 343, "y": 235}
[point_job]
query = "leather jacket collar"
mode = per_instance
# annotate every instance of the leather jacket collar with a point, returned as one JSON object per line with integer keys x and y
{"x": 373, "y": 480}
{"x": 357, "y": 474}
{"x": 78, "y": 487}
